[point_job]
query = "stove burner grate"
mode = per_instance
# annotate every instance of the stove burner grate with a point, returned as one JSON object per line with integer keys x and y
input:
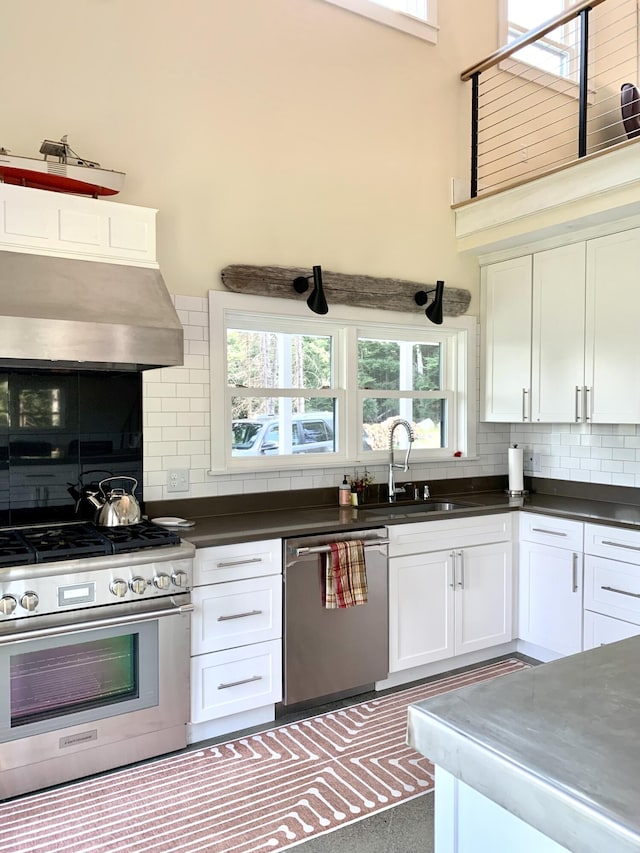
{"x": 48, "y": 543}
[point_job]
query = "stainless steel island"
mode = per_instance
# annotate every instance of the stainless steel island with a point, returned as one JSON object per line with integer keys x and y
{"x": 546, "y": 759}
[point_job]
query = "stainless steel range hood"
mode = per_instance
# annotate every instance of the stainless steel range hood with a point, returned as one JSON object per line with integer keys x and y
{"x": 57, "y": 312}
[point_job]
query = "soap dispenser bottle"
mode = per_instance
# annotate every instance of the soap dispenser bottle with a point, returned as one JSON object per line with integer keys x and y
{"x": 344, "y": 493}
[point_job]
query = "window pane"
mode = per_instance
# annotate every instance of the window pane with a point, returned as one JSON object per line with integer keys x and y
{"x": 528, "y": 15}
{"x": 276, "y": 426}
{"x": 427, "y": 417}
{"x": 278, "y": 360}
{"x": 399, "y": 365}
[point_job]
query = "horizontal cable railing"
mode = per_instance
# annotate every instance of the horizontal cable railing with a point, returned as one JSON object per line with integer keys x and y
{"x": 559, "y": 92}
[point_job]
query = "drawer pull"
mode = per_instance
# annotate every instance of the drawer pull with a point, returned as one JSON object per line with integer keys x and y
{"x": 238, "y": 683}
{"x": 621, "y": 591}
{"x": 245, "y": 561}
{"x": 239, "y": 615}
{"x": 621, "y": 545}
{"x": 550, "y": 532}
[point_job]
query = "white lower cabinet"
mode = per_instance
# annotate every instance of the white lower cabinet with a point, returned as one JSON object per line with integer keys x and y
{"x": 600, "y": 630}
{"x": 235, "y": 680}
{"x": 612, "y": 585}
{"x": 449, "y": 602}
{"x": 236, "y": 637}
{"x": 550, "y": 582}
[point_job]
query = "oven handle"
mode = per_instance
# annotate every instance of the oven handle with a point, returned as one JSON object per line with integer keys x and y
{"x": 44, "y": 633}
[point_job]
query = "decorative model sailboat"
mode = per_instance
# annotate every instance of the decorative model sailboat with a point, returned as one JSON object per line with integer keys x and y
{"x": 67, "y": 172}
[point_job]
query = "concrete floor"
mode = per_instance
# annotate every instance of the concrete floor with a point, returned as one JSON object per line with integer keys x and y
{"x": 406, "y": 828}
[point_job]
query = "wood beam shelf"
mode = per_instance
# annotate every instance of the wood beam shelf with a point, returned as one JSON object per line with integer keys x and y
{"x": 364, "y": 291}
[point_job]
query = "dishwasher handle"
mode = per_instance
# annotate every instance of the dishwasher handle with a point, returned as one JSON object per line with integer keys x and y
{"x": 325, "y": 549}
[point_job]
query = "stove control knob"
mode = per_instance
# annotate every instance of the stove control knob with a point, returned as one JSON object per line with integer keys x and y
{"x": 118, "y": 587}
{"x": 137, "y": 585}
{"x": 7, "y": 604}
{"x": 29, "y": 600}
{"x": 162, "y": 581}
{"x": 180, "y": 578}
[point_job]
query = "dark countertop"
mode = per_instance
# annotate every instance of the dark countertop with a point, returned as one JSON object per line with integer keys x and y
{"x": 214, "y": 526}
{"x": 557, "y": 745}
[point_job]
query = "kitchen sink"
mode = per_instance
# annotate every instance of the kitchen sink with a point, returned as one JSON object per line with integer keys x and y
{"x": 422, "y": 508}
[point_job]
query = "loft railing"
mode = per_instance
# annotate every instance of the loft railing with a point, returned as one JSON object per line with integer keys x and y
{"x": 554, "y": 94}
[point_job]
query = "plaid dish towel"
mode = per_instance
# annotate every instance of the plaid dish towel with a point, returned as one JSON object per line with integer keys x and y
{"x": 345, "y": 575}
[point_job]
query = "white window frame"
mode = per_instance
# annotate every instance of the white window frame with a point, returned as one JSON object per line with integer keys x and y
{"x": 346, "y": 323}
{"x": 423, "y": 28}
{"x": 516, "y": 66}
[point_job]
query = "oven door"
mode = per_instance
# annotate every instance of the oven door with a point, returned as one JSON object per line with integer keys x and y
{"x": 102, "y": 674}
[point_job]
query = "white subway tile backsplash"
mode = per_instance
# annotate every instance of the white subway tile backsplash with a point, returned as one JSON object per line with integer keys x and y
{"x": 197, "y": 318}
{"x": 160, "y": 419}
{"x": 190, "y": 303}
{"x": 192, "y": 389}
{"x": 194, "y": 333}
{"x": 198, "y": 348}
{"x": 190, "y": 419}
{"x": 160, "y": 448}
{"x": 172, "y": 404}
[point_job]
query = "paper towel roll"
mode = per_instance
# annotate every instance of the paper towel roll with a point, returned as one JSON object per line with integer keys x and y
{"x": 516, "y": 462}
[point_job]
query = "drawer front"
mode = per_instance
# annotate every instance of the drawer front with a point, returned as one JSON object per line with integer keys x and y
{"x": 612, "y": 588}
{"x": 235, "y": 680}
{"x": 237, "y": 561}
{"x": 615, "y": 543}
{"x": 423, "y": 536}
{"x": 549, "y": 530}
{"x": 600, "y": 630}
{"x": 237, "y": 613}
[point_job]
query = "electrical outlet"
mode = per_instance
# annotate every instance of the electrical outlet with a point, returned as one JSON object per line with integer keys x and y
{"x": 178, "y": 480}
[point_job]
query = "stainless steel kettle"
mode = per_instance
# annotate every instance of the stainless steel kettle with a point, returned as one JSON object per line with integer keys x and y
{"x": 119, "y": 507}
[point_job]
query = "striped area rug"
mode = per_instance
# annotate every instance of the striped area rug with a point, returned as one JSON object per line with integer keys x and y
{"x": 266, "y": 792}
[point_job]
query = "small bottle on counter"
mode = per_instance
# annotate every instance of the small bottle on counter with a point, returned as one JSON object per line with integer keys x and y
{"x": 344, "y": 493}
{"x": 354, "y": 494}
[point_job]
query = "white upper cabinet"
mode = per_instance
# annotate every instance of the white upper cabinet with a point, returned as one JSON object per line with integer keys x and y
{"x": 506, "y": 340}
{"x": 576, "y": 360}
{"x": 613, "y": 339}
{"x": 557, "y": 340}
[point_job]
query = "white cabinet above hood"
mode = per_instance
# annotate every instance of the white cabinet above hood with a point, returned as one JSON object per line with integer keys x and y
{"x": 80, "y": 286}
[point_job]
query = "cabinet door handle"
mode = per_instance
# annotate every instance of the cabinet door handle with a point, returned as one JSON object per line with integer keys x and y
{"x": 461, "y": 581}
{"x": 587, "y": 403}
{"x": 452, "y": 582}
{"x": 578, "y": 404}
{"x": 620, "y": 545}
{"x": 243, "y": 562}
{"x": 621, "y": 591}
{"x": 549, "y": 532}
{"x": 575, "y": 573}
{"x": 238, "y": 683}
{"x": 239, "y": 615}
{"x": 525, "y": 404}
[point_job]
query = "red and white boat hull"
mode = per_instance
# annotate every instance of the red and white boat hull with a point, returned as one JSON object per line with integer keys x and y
{"x": 60, "y": 177}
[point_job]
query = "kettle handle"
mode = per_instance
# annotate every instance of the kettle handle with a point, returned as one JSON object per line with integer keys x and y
{"x": 107, "y": 479}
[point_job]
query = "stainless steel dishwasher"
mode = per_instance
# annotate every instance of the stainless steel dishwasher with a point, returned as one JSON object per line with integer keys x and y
{"x": 333, "y": 652}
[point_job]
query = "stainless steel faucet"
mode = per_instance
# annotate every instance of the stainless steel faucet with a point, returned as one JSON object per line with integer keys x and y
{"x": 393, "y": 490}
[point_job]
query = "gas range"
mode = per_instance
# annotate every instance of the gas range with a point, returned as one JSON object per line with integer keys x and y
{"x": 52, "y": 568}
